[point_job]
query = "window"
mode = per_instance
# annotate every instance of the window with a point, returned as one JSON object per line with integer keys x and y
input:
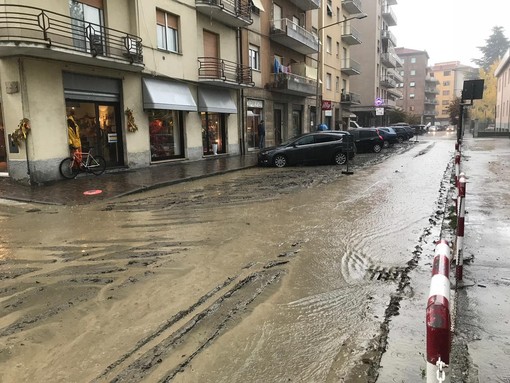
{"x": 168, "y": 31}
{"x": 337, "y": 49}
{"x": 411, "y": 95}
{"x": 337, "y": 84}
{"x": 445, "y": 102}
{"x": 412, "y": 84}
{"x": 329, "y": 8}
{"x": 413, "y": 60}
{"x": 412, "y": 72}
{"x": 446, "y": 83}
{"x": 87, "y": 14}
{"x": 328, "y": 44}
{"x": 446, "y": 92}
{"x": 447, "y": 73}
{"x": 338, "y": 15}
{"x": 254, "y": 59}
{"x": 328, "y": 81}
{"x": 411, "y": 108}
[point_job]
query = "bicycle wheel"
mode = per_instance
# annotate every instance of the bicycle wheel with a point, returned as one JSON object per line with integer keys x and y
{"x": 67, "y": 170}
{"x": 97, "y": 165}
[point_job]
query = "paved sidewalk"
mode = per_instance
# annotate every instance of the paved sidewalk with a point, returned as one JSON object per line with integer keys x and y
{"x": 118, "y": 183}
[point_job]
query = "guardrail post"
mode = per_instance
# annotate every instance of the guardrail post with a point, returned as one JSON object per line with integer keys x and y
{"x": 457, "y": 168}
{"x": 438, "y": 316}
{"x": 460, "y": 228}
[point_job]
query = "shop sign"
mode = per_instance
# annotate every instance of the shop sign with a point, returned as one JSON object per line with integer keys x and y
{"x": 112, "y": 138}
{"x": 250, "y": 103}
{"x": 326, "y": 105}
{"x": 328, "y": 113}
{"x": 379, "y": 111}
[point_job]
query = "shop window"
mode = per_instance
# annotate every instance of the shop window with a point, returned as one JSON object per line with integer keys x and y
{"x": 166, "y": 135}
{"x": 87, "y": 25}
{"x": 213, "y": 133}
{"x": 167, "y": 26}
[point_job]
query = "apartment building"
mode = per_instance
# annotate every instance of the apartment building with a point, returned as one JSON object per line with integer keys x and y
{"x": 502, "y": 75}
{"x": 148, "y": 81}
{"x": 450, "y": 78}
{"x": 379, "y": 64}
{"x": 418, "y": 87}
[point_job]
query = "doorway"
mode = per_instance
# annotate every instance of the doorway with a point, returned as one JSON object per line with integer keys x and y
{"x": 277, "y": 126}
{"x": 3, "y": 146}
{"x": 100, "y": 129}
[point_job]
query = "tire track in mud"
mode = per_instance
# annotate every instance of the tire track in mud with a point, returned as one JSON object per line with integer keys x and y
{"x": 172, "y": 347}
{"x": 373, "y": 356}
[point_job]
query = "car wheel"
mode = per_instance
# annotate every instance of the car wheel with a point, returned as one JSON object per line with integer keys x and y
{"x": 386, "y": 144}
{"x": 280, "y": 161}
{"x": 340, "y": 158}
{"x": 377, "y": 148}
{"x": 400, "y": 140}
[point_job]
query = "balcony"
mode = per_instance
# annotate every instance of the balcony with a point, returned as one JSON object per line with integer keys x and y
{"x": 430, "y": 113}
{"x": 350, "y": 67}
{"x": 234, "y": 13}
{"x": 431, "y": 101}
{"x": 391, "y": 2}
{"x": 431, "y": 90}
{"x": 36, "y": 32}
{"x": 291, "y": 35}
{"x": 388, "y": 35}
{"x": 389, "y": 16}
{"x": 396, "y": 76}
{"x": 388, "y": 82}
{"x": 352, "y": 6}
{"x": 216, "y": 71}
{"x": 395, "y": 93}
{"x": 390, "y": 60}
{"x": 306, "y": 5}
{"x": 350, "y": 98}
{"x": 431, "y": 80}
{"x": 290, "y": 83}
{"x": 351, "y": 36}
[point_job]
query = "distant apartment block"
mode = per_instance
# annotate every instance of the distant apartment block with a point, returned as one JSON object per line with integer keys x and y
{"x": 502, "y": 75}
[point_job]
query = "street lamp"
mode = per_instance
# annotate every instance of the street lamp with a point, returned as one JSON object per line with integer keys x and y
{"x": 318, "y": 109}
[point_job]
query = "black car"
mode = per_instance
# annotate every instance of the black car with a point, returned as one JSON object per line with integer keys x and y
{"x": 367, "y": 139}
{"x": 402, "y": 134}
{"x": 308, "y": 148}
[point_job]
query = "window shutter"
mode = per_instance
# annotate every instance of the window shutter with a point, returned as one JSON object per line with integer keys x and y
{"x": 93, "y": 3}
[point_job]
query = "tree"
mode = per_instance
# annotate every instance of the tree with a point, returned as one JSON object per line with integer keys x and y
{"x": 496, "y": 47}
{"x": 454, "y": 111}
{"x": 484, "y": 109}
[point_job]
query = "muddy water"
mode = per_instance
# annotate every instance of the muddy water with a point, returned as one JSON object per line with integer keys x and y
{"x": 263, "y": 276}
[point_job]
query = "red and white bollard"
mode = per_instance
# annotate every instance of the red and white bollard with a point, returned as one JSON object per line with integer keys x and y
{"x": 457, "y": 168}
{"x": 438, "y": 316}
{"x": 461, "y": 206}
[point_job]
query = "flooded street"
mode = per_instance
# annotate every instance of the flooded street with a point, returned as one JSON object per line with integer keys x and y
{"x": 263, "y": 275}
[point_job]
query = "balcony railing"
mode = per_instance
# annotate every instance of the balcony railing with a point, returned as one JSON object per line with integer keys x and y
{"x": 351, "y": 35}
{"x": 386, "y": 34}
{"x": 388, "y": 82}
{"x": 350, "y": 67}
{"x": 226, "y": 73}
{"x": 390, "y": 60}
{"x": 290, "y": 83}
{"x": 43, "y": 33}
{"x": 291, "y": 35}
{"x": 395, "y": 93}
{"x": 431, "y": 90}
{"x": 431, "y": 101}
{"x": 352, "y": 6}
{"x": 389, "y": 16}
{"x": 350, "y": 98}
{"x": 234, "y": 13}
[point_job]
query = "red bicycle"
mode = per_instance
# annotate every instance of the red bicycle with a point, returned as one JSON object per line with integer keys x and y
{"x": 70, "y": 167}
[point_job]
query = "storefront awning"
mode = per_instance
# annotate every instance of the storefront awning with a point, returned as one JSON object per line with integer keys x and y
{"x": 159, "y": 94}
{"x": 215, "y": 100}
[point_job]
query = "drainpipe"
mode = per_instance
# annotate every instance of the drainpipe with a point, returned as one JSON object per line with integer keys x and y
{"x": 240, "y": 99}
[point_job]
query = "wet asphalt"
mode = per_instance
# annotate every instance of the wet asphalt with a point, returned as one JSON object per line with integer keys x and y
{"x": 484, "y": 310}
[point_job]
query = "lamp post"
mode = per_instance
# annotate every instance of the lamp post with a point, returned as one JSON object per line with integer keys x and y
{"x": 318, "y": 108}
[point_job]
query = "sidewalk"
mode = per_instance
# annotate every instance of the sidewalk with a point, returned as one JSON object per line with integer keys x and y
{"x": 118, "y": 183}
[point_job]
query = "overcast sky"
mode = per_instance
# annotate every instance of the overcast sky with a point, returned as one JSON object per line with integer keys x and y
{"x": 449, "y": 30}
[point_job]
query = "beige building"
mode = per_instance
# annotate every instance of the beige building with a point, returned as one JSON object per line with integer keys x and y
{"x": 418, "y": 87}
{"x": 379, "y": 64}
{"x": 502, "y": 75}
{"x": 450, "y": 78}
{"x": 196, "y": 76}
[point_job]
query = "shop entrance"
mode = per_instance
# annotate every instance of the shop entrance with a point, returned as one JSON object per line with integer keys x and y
{"x": 100, "y": 129}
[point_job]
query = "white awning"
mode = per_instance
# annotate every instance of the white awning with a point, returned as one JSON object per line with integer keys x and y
{"x": 215, "y": 100}
{"x": 160, "y": 94}
{"x": 258, "y": 4}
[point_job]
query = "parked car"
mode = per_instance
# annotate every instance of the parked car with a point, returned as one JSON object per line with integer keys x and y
{"x": 367, "y": 139}
{"x": 308, "y": 148}
{"x": 389, "y": 135}
{"x": 402, "y": 134}
{"x": 407, "y": 127}
{"x": 420, "y": 129}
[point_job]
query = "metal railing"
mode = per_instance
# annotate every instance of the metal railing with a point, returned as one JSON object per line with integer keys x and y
{"x": 21, "y": 24}
{"x": 214, "y": 68}
{"x": 237, "y": 8}
{"x": 286, "y": 26}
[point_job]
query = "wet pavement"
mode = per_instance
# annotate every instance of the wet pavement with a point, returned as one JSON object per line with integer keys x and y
{"x": 116, "y": 183}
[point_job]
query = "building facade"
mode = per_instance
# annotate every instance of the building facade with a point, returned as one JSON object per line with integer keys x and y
{"x": 379, "y": 64}
{"x": 450, "y": 78}
{"x": 150, "y": 81}
{"x": 502, "y": 75}
{"x": 418, "y": 87}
